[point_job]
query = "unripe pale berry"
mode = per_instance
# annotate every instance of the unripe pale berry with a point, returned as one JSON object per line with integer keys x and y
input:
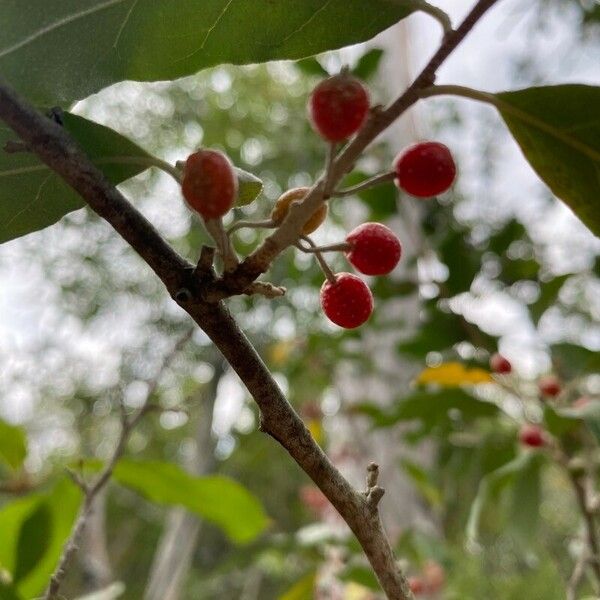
{"x": 532, "y": 436}
{"x": 425, "y": 169}
{"x": 581, "y": 402}
{"x": 375, "y": 249}
{"x": 348, "y": 301}
{"x": 499, "y": 364}
{"x": 282, "y": 207}
{"x": 338, "y": 107}
{"x": 549, "y": 385}
{"x": 209, "y": 183}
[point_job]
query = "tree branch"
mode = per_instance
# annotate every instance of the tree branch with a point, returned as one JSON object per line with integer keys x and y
{"x": 91, "y": 491}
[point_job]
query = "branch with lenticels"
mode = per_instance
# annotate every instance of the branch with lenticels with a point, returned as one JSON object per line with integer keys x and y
{"x": 198, "y": 290}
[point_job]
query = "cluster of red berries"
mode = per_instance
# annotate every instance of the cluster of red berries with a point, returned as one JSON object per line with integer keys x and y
{"x": 338, "y": 107}
{"x": 430, "y": 581}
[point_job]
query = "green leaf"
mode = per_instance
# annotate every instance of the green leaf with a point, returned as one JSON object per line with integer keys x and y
{"x": 526, "y": 500}
{"x": 311, "y": 66}
{"x": 33, "y": 197}
{"x": 148, "y": 41}
{"x": 548, "y": 293}
{"x": 8, "y": 592}
{"x": 558, "y": 130}
{"x": 423, "y": 482}
{"x": 32, "y": 544}
{"x": 368, "y": 64}
{"x": 13, "y": 445}
{"x": 303, "y": 589}
{"x": 44, "y": 519}
{"x": 493, "y": 484}
{"x": 217, "y": 499}
{"x": 362, "y": 575}
{"x": 572, "y": 360}
{"x": 431, "y": 408}
{"x": 249, "y": 187}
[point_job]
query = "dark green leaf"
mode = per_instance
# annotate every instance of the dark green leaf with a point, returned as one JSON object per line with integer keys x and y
{"x": 558, "y": 130}
{"x": 526, "y": 499}
{"x": 161, "y": 39}
{"x": 217, "y": 499}
{"x": 501, "y": 240}
{"x": 462, "y": 260}
{"x": 34, "y": 538}
{"x": 548, "y": 294}
{"x": 33, "y": 197}
{"x": 368, "y": 64}
{"x": 303, "y": 589}
{"x": 13, "y": 445}
{"x": 362, "y": 575}
{"x": 572, "y": 360}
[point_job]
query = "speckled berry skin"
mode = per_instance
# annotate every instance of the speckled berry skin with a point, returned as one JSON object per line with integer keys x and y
{"x": 348, "y": 302}
{"x": 209, "y": 183}
{"x": 549, "y": 385}
{"x": 425, "y": 169}
{"x": 499, "y": 364}
{"x": 375, "y": 249}
{"x": 338, "y": 107}
{"x": 532, "y": 436}
{"x": 282, "y": 207}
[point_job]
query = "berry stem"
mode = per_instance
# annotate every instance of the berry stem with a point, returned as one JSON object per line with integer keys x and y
{"x": 339, "y": 247}
{"x": 365, "y": 185}
{"x": 437, "y": 13}
{"x": 322, "y": 262}
{"x": 267, "y": 224}
{"x": 329, "y": 163}
{"x": 148, "y": 161}
{"x": 217, "y": 231}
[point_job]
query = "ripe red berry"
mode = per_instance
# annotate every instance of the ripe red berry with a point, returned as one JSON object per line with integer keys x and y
{"x": 532, "y": 436}
{"x": 425, "y": 169}
{"x": 549, "y": 385}
{"x": 348, "y": 301}
{"x": 338, "y": 107}
{"x": 375, "y": 249}
{"x": 499, "y": 364}
{"x": 416, "y": 585}
{"x": 209, "y": 183}
{"x": 434, "y": 576}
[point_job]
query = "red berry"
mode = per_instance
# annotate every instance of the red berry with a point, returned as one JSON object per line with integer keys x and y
{"x": 425, "y": 169}
{"x": 416, "y": 585}
{"x": 209, "y": 183}
{"x": 549, "y": 385}
{"x": 375, "y": 249}
{"x": 338, "y": 107}
{"x": 532, "y": 436}
{"x": 434, "y": 576}
{"x": 314, "y": 499}
{"x": 348, "y": 301}
{"x": 499, "y": 364}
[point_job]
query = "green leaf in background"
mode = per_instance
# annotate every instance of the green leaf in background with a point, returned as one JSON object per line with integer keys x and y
{"x": 526, "y": 499}
{"x": 217, "y": 499}
{"x": 558, "y": 130}
{"x": 303, "y": 589}
{"x": 149, "y": 40}
{"x": 362, "y": 575}
{"x": 33, "y": 540}
{"x": 572, "y": 360}
{"x": 368, "y": 64}
{"x": 497, "y": 481}
{"x": 114, "y": 590}
{"x": 8, "y": 592}
{"x": 431, "y": 408}
{"x": 44, "y": 519}
{"x": 548, "y": 294}
{"x": 13, "y": 445}
{"x": 33, "y": 197}
{"x": 423, "y": 482}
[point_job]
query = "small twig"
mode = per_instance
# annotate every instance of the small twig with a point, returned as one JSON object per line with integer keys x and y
{"x": 226, "y": 250}
{"x": 577, "y": 575}
{"x": 263, "y": 288}
{"x": 320, "y": 258}
{"x": 365, "y": 185}
{"x": 437, "y": 13}
{"x": 329, "y": 164}
{"x": 90, "y": 491}
{"x": 373, "y": 493}
{"x": 339, "y": 247}
{"x": 266, "y": 224}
